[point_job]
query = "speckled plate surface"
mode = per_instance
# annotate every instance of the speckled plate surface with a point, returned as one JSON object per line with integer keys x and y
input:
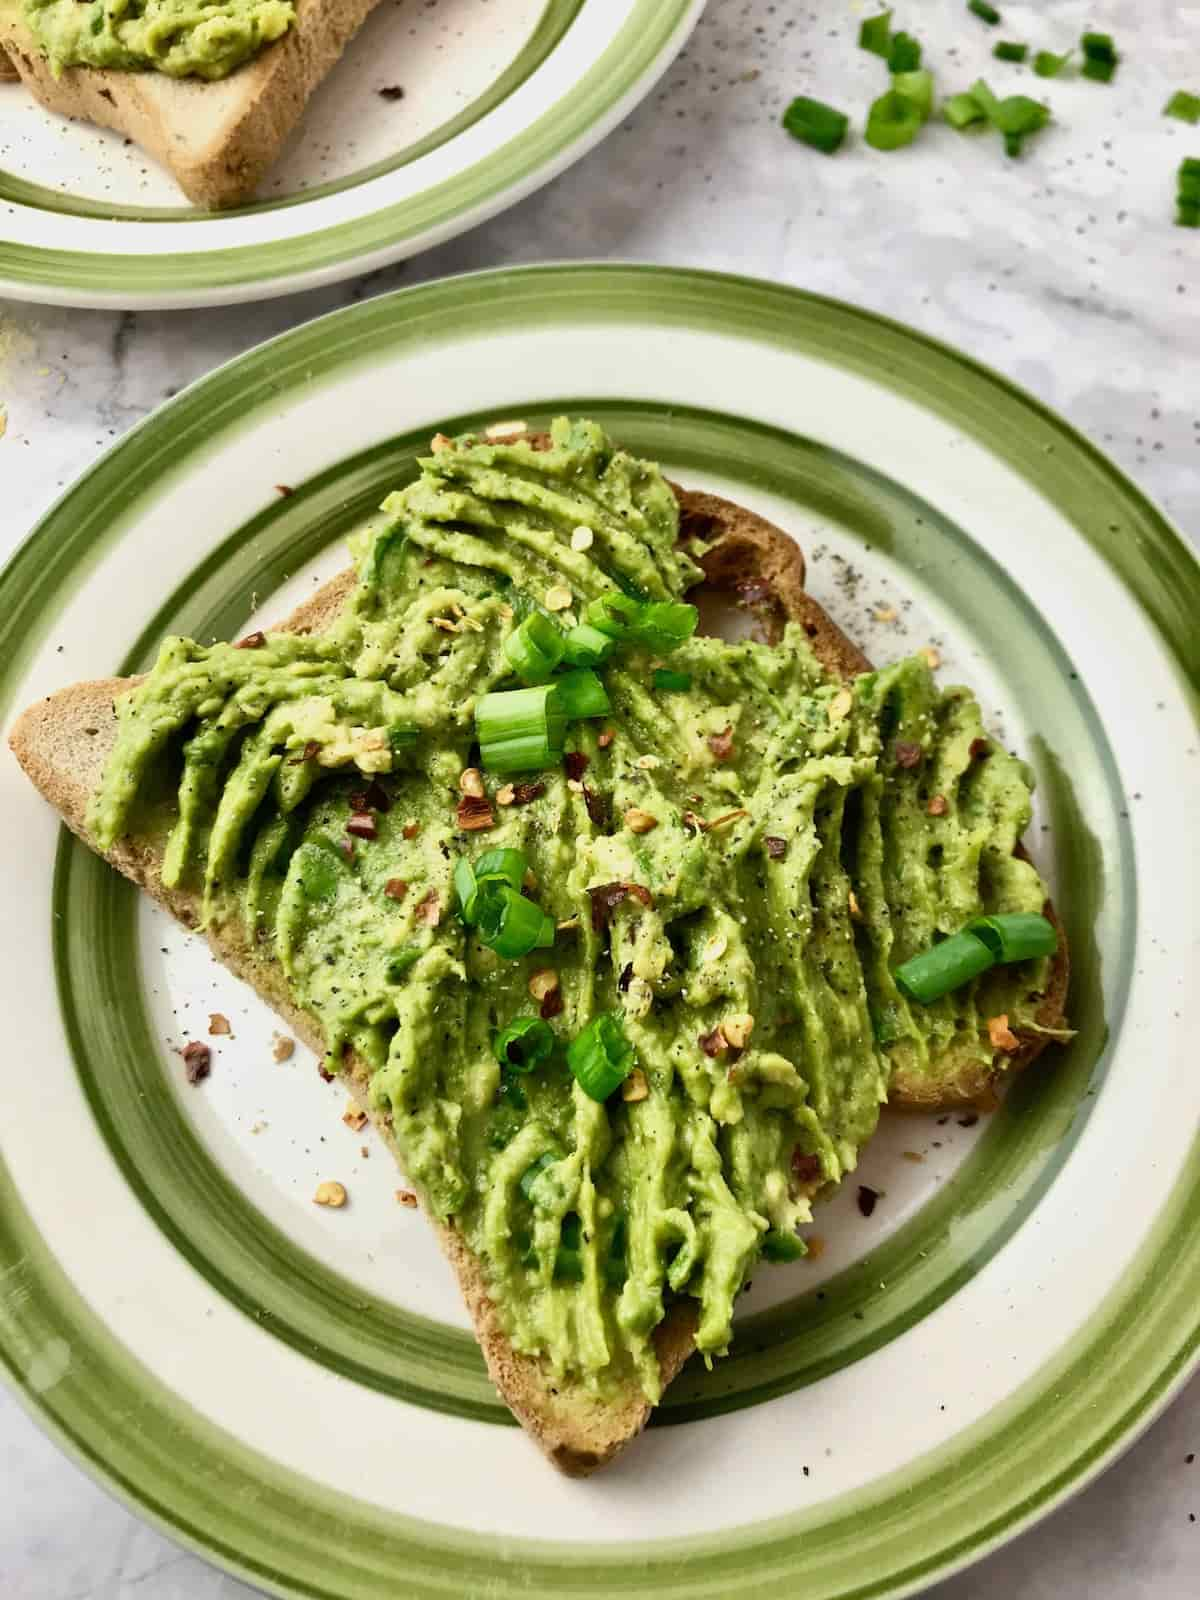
{"x": 497, "y": 97}
{"x": 295, "y": 1392}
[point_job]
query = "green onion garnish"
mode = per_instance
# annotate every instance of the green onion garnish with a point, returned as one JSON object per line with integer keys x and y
{"x": 1047, "y": 65}
{"x": 780, "y": 1245}
{"x": 585, "y": 646}
{"x": 534, "y": 648}
{"x": 917, "y": 87}
{"x": 524, "y": 1044}
{"x": 520, "y": 730}
{"x": 961, "y": 110}
{"x": 504, "y": 863}
{"x": 984, "y": 12}
{"x": 663, "y": 625}
{"x": 612, "y": 614}
{"x": 465, "y": 888}
{"x": 946, "y": 966}
{"x": 1187, "y": 195}
{"x": 816, "y": 124}
{"x": 1008, "y": 50}
{"x": 508, "y": 923}
{"x": 1015, "y": 935}
{"x": 892, "y": 122}
{"x": 1016, "y": 117}
{"x": 401, "y": 739}
{"x": 547, "y": 1159}
{"x": 904, "y": 54}
{"x": 582, "y": 694}
{"x": 664, "y": 678}
{"x": 876, "y": 34}
{"x": 601, "y": 1057}
{"x": 1100, "y": 56}
{"x": 1183, "y": 105}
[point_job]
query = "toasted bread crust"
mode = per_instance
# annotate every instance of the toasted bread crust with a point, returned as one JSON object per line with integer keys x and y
{"x": 217, "y": 139}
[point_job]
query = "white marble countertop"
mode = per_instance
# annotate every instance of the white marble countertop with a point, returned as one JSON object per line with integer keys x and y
{"x": 1062, "y": 270}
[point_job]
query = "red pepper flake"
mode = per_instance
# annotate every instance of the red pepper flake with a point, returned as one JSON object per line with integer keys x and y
{"x": 714, "y": 1043}
{"x": 607, "y": 896}
{"x": 523, "y": 793}
{"x": 428, "y": 910}
{"x": 866, "y": 1199}
{"x": 979, "y": 749}
{"x": 252, "y": 641}
{"x": 395, "y": 888}
{"x": 908, "y": 754}
{"x": 347, "y": 848}
{"x": 598, "y": 806}
{"x": 310, "y": 753}
{"x": 806, "y": 1168}
{"x": 284, "y": 489}
{"x": 606, "y": 738}
{"x": 937, "y": 806}
{"x": 373, "y": 798}
{"x": 197, "y": 1060}
{"x": 410, "y": 830}
{"x": 362, "y": 825}
{"x": 721, "y": 744}
{"x": 776, "y": 847}
{"x": 324, "y": 1074}
{"x": 475, "y": 813}
{"x": 575, "y": 763}
{"x": 552, "y": 1003}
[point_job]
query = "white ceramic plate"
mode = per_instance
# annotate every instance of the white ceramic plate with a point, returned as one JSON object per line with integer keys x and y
{"x": 293, "y": 1391}
{"x": 499, "y": 96}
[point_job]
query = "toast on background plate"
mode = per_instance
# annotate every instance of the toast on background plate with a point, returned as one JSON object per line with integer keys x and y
{"x": 601, "y": 1212}
{"x": 217, "y": 138}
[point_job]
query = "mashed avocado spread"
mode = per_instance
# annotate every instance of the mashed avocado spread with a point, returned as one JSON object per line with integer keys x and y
{"x": 745, "y": 938}
{"x": 183, "y": 38}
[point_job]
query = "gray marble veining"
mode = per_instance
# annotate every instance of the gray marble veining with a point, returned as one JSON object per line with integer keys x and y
{"x": 1062, "y": 270}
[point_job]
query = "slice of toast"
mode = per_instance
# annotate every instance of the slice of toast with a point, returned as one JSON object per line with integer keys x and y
{"x": 63, "y": 742}
{"x": 8, "y": 73}
{"x": 217, "y": 139}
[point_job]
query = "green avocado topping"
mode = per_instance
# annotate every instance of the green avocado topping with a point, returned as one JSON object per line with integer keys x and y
{"x": 729, "y": 872}
{"x": 183, "y": 38}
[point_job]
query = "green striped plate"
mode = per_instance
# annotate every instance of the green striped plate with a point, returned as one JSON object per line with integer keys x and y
{"x": 295, "y": 1392}
{"x": 436, "y": 118}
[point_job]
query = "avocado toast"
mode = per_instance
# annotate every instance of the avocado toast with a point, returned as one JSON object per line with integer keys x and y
{"x": 726, "y": 863}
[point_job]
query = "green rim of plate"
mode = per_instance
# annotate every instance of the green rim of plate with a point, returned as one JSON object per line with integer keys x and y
{"x": 548, "y": 32}
{"x": 810, "y": 1335}
{"x": 947, "y": 1507}
{"x": 653, "y": 33}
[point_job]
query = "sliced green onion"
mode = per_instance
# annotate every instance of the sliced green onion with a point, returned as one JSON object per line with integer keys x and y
{"x": 946, "y": 966}
{"x": 465, "y": 888}
{"x": 1047, "y": 65}
{"x": 520, "y": 730}
{"x": 663, "y": 625}
{"x": 508, "y": 923}
{"x": 1187, "y": 214}
{"x": 917, "y": 87}
{"x": 582, "y": 694}
{"x": 504, "y": 863}
{"x": 1016, "y": 117}
{"x": 816, "y": 124}
{"x": 781, "y": 1245}
{"x": 904, "y": 54}
{"x": 585, "y": 646}
{"x": 1015, "y": 935}
{"x": 534, "y": 648}
{"x": 961, "y": 110}
{"x": 401, "y": 739}
{"x": 601, "y": 1057}
{"x": 1187, "y": 181}
{"x": 1183, "y": 105}
{"x": 528, "y": 1177}
{"x": 613, "y": 614}
{"x": 1100, "y": 56}
{"x": 524, "y": 1044}
{"x": 876, "y": 34}
{"x": 1009, "y": 50}
{"x": 892, "y": 122}
{"x": 984, "y": 98}
{"x": 679, "y": 682}
{"x": 984, "y": 12}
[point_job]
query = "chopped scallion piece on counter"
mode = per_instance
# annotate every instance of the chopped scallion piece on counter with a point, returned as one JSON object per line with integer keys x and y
{"x": 984, "y": 11}
{"x": 876, "y": 34}
{"x": 946, "y": 966}
{"x": 1183, "y": 105}
{"x": 1047, "y": 65}
{"x": 816, "y": 124}
{"x": 917, "y": 87}
{"x": 1010, "y": 50}
{"x": 904, "y": 54}
{"x": 961, "y": 110}
{"x": 892, "y": 122}
{"x": 1100, "y": 56}
{"x": 601, "y": 1057}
